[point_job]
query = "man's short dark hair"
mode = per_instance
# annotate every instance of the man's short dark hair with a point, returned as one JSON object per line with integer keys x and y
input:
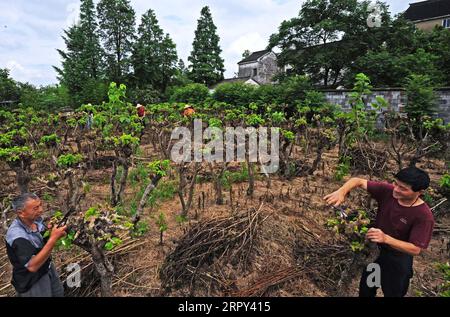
{"x": 415, "y": 177}
{"x": 18, "y": 203}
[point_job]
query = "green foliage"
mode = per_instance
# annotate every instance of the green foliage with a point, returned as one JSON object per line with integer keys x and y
{"x": 154, "y": 55}
{"x": 66, "y": 242}
{"x": 421, "y": 97}
{"x": 354, "y": 228}
{"x": 428, "y": 198}
{"x": 48, "y": 98}
{"x": 161, "y": 222}
{"x": 69, "y": 160}
{"x": 92, "y": 212}
{"x": 289, "y": 135}
{"x": 112, "y": 243}
{"x": 138, "y": 174}
{"x": 145, "y": 95}
{"x": 444, "y": 268}
{"x": 254, "y": 120}
{"x": 180, "y": 219}
{"x": 315, "y": 41}
{"x": 159, "y": 167}
{"x": 14, "y": 153}
{"x": 231, "y": 177}
{"x": 236, "y": 94}
{"x": 362, "y": 117}
{"x": 325, "y": 38}
{"x": 162, "y": 225}
{"x": 82, "y": 61}
{"x": 214, "y": 122}
{"x": 116, "y": 28}
{"x": 278, "y": 118}
{"x": 9, "y": 89}
{"x": 51, "y": 139}
{"x": 139, "y": 229}
{"x": 444, "y": 182}
{"x": 438, "y": 43}
{"x": 164, "y": 191}
{"x": 293, "y": 89}
{"x": 343, "y": 169}
{"x": 48, "y": 197}
{"x": 124, "y": 140}
{"x": 191, "y": 93}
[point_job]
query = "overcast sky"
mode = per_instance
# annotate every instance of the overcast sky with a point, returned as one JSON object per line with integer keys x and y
{"x": 30, "y": 30}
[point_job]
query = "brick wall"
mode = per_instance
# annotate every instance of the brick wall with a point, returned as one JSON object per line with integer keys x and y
{"x": 395, "y": 97}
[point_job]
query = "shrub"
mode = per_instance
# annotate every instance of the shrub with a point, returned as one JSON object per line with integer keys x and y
{"x": 192, "y": 93}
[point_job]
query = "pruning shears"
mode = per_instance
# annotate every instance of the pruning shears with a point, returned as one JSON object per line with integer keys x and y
{"x": 341, "y": 211}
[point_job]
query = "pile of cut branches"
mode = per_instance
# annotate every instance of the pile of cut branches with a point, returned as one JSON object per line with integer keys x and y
{"x": 208, "y": 247}
{"x": 330, "y": 265}
{"x": 368, "y": 159}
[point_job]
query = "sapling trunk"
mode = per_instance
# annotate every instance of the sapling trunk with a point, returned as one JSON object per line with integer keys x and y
{"x": 104, "y": 268}
{"x": 148, "y": 190}
{"x": 117, "y": 193}
{"x": 22, "y": 175}
{"x": 186, "y": 205}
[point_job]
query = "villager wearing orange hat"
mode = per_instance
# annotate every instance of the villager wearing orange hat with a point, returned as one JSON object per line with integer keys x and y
{"x": 188, "y": 111}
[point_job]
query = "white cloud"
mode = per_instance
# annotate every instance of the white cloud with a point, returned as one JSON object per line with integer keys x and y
{"x": 24, "y": 74}
{"x": 248, "y": 41}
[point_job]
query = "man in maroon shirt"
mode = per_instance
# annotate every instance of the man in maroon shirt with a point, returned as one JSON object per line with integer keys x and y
{"x": 403, "y": 227}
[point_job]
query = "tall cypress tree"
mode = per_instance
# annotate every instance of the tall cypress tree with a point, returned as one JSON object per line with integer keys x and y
{"x": 169, "y": 62}
{"x": 206, "y": 64}
{"x": 73, "y": 71}
{"x": 154, "y": 55}
{"x": 82, "y": 67}
{"x": 146, "y": 55}
{"x": 93, "y": 53}
{"x": 116, "y": 22}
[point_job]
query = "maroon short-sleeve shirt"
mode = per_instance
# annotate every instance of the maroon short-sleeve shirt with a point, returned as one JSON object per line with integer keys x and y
{"x": 410, "y": 224}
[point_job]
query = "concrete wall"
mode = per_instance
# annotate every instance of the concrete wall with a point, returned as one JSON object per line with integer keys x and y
{"x": 430, "y": 24}
{"x": 395, "y": 97}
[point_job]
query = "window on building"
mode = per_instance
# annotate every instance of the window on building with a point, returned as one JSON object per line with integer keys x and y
{"x": 255, "y": 72}
{"x": 446, "y": 23}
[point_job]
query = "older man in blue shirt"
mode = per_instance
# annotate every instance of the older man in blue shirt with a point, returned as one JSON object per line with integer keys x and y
{"x": 34, "y": 274}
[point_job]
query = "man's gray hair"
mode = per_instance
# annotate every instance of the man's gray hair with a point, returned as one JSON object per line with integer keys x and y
{"x": 18, "y": 203}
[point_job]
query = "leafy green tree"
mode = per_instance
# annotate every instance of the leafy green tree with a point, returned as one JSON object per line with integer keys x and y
{"x": 439, "y": 45}
{"x": 206, "y": 64}
{"x": 237, "y": 94}
{"x": 306, "y": 40}
{"x": 116, "y": 24}
{"x": 21, "y": 131}
{"x": 48, "y": 98}
{"x": 315, "y": 41}
{"x": 92, "y": 53}
{"x": 169, "y": 62}
{"x": 404, "y": 52}
{"x": 9, "y": 90}
{"x": 192, "y": 93}
{"x": 73, "y": 69}
{"x": 179, "y": 79}
{"x": 146, "y": 56}
{"x": 182, "y": 67}
{"x": 421, "y": 98}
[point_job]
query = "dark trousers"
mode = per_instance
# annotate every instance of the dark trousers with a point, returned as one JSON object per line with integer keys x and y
{"x": 396, "y": 270}
{"x": 48, "y": 285}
